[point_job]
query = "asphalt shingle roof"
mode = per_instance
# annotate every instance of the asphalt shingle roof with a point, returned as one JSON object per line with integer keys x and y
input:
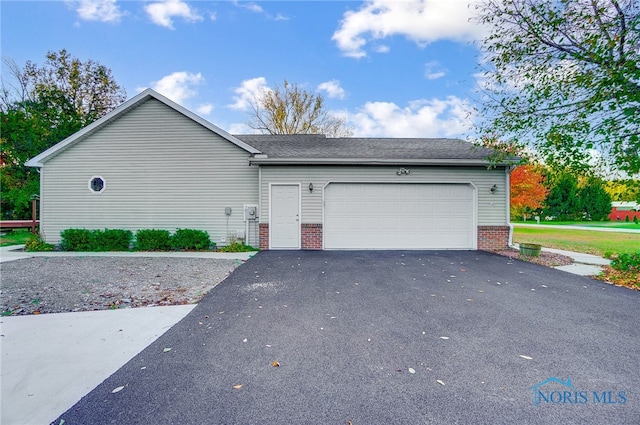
{"x": 319, "y": 147}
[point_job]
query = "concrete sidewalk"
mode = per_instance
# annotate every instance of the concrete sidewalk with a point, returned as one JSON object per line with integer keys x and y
{"x": 14, "y": 252}
{"x": 51, "y": 361}
{"x": 583, "y": 264}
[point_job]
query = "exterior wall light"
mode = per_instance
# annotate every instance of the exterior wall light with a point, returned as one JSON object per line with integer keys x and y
{"x": 311, "y": 187}
{"x": 494, "y": 188}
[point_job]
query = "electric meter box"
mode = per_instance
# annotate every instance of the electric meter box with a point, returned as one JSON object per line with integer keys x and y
{"x": 250, "y": 212}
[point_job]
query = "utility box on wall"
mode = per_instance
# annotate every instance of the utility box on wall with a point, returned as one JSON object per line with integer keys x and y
{"x": 250, "y": 212}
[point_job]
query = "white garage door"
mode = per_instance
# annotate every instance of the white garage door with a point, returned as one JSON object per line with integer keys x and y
{"x": 399, "y": 216}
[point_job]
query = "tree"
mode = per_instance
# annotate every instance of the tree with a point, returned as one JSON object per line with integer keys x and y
{"x": 291, "y": 110}
{"x": 623, "y": 190}
{"x": 562, "y": 201}
{"x": 564, "y": 78}
{"x": 528, "y": 191}
{"x": 41, "y": 106}
{"x": 595, "y": 201}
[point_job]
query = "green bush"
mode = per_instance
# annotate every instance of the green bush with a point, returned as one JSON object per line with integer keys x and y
{"x": 35, "y": 243}
{"x": 77, "y": 240}
{"x": 146, "y": 240}
{"x": 153, "y": 240}
{"x": 627, "y": 262}
{"x": 237, "y": 247}
{"x": 112, "y": 239}
{"x": 191, "y": 239}
{"x": 96, "y": 240}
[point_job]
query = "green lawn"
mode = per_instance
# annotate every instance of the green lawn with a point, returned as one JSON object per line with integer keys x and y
{"x": 14, "y": 237}
{"x": 598, "y": 243}
{"x": 613, "y": 224}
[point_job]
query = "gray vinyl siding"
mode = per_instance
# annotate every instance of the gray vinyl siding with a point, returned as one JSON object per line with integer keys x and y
{"x": 162, "y": 171}
{"x": 492, "y": 208}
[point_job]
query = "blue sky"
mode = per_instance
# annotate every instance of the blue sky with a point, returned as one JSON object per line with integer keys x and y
{"x": 391, "y": 68}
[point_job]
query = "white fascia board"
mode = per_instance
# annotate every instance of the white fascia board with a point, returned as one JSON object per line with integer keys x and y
{"x": 361, "y": 161}
{"x": 39, "y": 160}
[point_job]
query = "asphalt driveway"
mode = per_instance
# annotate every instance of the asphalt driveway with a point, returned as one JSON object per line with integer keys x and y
{"x": 387, "y": 338}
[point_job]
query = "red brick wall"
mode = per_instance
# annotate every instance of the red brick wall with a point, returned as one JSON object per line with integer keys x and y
{"x": 311, "y": 236}
{"x": 264, "y": 235}
{"x": 490, "y": 238}
{"x": 493, "y": 238}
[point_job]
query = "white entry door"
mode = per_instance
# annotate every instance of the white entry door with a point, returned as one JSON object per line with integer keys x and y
{"x": 284, "y": 222}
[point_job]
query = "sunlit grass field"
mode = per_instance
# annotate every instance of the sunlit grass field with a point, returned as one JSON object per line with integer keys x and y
{"x": 590, "y": 242}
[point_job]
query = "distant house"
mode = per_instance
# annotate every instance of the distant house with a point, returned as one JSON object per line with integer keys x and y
{"x": 621, "y": 210}
{"x": 151, "y": 163}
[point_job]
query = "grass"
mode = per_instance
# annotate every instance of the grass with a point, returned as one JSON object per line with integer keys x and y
{"x": 603, "y": 244}
{"x": 610, "y": 224}
{"x": 15, "y": 237}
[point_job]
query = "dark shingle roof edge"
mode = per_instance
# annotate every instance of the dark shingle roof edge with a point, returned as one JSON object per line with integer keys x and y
{"x": 317, "y": 149}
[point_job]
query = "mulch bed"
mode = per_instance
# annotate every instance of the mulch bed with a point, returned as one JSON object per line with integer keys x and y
{"x": 547, "y": 259}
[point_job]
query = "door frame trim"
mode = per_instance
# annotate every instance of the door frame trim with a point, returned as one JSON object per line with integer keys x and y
{"x": 299, "y": 185}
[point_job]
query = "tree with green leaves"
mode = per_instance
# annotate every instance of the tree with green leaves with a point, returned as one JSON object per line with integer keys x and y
{"x": 292, "y": 110}
{"x": 563, "y": 203}
{"x": 39, "y": 107}
{"x": 563, "y": 77}
{"x": 594, "y": 199}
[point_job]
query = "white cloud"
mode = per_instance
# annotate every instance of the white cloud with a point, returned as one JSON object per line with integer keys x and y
{"x": 97, "y": 10}
{"x": 247, "y": 92}
{"x": 251, "y": 6}
{"x": 163, "y": 12}
{"x": 242, "y": 128}
{"x": 256, "y": 8}
{"x": 205, "y": 109}
{"x": 332, "y": 88}
{"x": 421, "y": 118}
{"x": 433, "y": 70}
{"x": 422, "y": 21}
{"x": 178, "y": 86}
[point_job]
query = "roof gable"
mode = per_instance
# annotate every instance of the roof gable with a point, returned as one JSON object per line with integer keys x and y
{"x": 127, "y": 106}
{"x": 283, "y": 149}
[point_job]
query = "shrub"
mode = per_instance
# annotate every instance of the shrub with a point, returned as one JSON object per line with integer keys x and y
{"x": 237, "y": 247}
{"x": 153, "y": 240}
{"x": 36, "y": 243}
{"x": 191, "y": 239}
{"x": 112, "y": 239}
{"x": 77, "y": 240}
{"x": 96, "y": 240}
{"x": 627, "y": 262}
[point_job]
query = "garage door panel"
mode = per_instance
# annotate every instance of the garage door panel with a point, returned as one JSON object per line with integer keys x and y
{"x": 399, "y": 216}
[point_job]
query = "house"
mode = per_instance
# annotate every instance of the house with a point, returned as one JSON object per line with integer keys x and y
{"x": 623, "y": 211}
{"x": 151, "y": 163}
